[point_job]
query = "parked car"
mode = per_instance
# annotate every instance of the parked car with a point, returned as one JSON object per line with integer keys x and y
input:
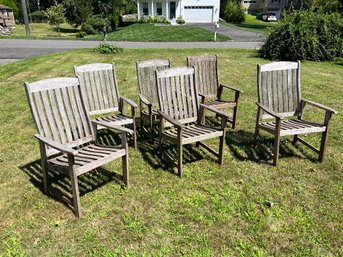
{"x": 269, "y": 17}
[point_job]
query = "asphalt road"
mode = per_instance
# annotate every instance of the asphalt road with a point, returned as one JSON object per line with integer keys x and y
{"x": 17, "y": 49}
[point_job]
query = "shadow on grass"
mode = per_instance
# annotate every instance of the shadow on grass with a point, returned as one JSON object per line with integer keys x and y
{"x": 241, "y": 146}
{"x": 59, "y": 184}
{"x": 156, "y": 157}
{"x": 67, "y": 30}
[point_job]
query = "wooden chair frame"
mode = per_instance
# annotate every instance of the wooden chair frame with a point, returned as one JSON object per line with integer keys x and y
{"x": 67, "y": 137}
{"x": 209, "y": 86}
{"x": 101, "y": 95}
{"x": 180, "y": 113}
{"x": 279, "y": 98}
{"x": 148, "y": 101}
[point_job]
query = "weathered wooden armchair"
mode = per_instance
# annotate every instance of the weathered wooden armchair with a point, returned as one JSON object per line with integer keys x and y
{"x": 66, "y": 135}
{"x": 279, "y": 99}
{"x": 101, "y": 95}
{"x": 178, "y": 101}
{"x": 147, "y": 89}
{"x": 209, "y": 87}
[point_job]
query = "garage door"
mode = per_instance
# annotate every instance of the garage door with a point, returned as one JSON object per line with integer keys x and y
{"x": 198, "y": 13}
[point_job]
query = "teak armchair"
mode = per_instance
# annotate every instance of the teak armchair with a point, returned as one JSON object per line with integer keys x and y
{"x": 101, "y": 95}
{"x": 147, "y": 90}
{"x": 279, "y": 99}
{"x": 209, "y": 88}
{"x": 179, "y": 107}
{"x": 67, "y": 137}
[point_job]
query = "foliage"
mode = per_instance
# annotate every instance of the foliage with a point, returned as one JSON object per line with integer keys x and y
{"x": 108, "y": 49}
{"x": 56, "y": 16}
{"x": 328, "y": 6}
{"x": 96, "y": 25}
{"x": 39, "y": 16}
{"x": 151, "y": 19}
{"x": 233, "y": 12}
{"x": 180, "y": 20}
{"x": 12, "y": 4}
{"x": 78, "y": 11}
{"x": 305, "y": 35}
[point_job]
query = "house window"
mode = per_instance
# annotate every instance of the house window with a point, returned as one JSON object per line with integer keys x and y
{"x": 159, "y": 8}
{"x": 145, "y": 9}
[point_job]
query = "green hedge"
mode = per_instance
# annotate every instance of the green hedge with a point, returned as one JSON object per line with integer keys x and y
{"x": 305, "y": 35}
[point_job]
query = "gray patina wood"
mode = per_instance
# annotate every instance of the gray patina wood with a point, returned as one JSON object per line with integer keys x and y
{"x": 281, "y": 107}
{"x": 101, "y": 95}
{"x": 66, "y": 134}
{"x": 147, "y": 89}
{"x": 180, "y": 112}
{"x": 209, "y": 87}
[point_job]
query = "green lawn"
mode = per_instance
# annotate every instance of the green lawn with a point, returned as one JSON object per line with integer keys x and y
{"x": 131, "y": 32}
{"x": 156, "y": 33}
{"x": 253, "y": 24}
{"x": 211, "y": 211}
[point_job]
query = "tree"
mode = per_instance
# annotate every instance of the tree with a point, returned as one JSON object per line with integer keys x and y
{"x": 56, "y": 16}
{"x": 78, "y": 11}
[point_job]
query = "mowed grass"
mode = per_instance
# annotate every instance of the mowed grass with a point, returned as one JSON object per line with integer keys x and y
{"x": 136, "y": 32}
{"x": 244, "y": 208}
{"x": 143, "y": 32}
{"x": 253, "y": 24}
{"x": 44, "y": 30}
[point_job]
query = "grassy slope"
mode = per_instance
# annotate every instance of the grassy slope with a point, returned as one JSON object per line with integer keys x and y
{"x": 252, "y": 24}
{"x": 150, "y": 32}
{"x": 212, "y": 211}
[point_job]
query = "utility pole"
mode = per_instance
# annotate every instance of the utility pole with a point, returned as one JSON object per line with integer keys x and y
{"x": 26, "y": 18}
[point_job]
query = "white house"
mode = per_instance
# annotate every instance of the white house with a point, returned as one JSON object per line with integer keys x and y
{"x": 205, "y": 11}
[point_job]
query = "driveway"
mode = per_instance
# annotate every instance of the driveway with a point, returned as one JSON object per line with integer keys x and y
{"x": 236, "y": 35}
{"x": 17, "y": 49}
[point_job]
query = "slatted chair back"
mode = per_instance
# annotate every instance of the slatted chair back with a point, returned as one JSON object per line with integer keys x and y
{"x": 146, "y": 77}
{"x": 99, "y": 87}
{"x": 278, "y": 86}
{"x": 58, "y": 111}
{"x": 206, "y": 73}
{"x": 177, "y": 93}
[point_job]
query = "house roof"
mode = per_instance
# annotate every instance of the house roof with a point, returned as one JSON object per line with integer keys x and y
{"x": 5, "y": 7}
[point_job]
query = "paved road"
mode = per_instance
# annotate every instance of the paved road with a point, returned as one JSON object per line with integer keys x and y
{"x": 17, "y": 49}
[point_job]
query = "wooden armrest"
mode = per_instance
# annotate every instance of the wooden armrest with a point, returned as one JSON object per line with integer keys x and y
{"x": 170, "y": 119}
{"x": 56, "y": 145}
{"x": 111, "y": 126}
{"x": 144, "y": 100}
{"x": 130, "y": 102}
{"x": 232, "y": 88}
{"x": 216, "y": 111}
{"x": 269, "y": 111}
{"x": 321, "y": 106}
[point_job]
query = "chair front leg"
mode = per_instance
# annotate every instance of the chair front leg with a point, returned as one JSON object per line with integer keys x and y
{"x": 257, "y": 129}
{"x": 125, "y": 159}
{"x": 235, "y": 109}
{"x": 221, "y": 141}
{"x": 74, "y": 186}
{"x": 161, "y": 133}
{"x": 44, "y": 166}
{"x": 277, "y": 142}
{"x": 151, "y": 123}
{"x": 325, "y": 136}
{"x": 179, "y": 151}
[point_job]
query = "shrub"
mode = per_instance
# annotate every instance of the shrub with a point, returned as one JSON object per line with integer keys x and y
{"x": 180, "y": 20}
{"x": 81, "y": 34}
{"x": 233, "y": 12}
{"x": 108, "y": 49}
{"x": 96, "y": 24}
{"x": 39, "y": 16}
{"x": 305, "y": 35}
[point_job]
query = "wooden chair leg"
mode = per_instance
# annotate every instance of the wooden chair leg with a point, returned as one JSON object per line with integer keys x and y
{"x": 141, "y": 121}
{"x": 323, "y": 145}
{"x": 125, "y": 164}
{"x": 257, "y": 133}
{"x": 151, "y": 127}
{"x": 179, "y": 163}
{"x": 295, "y": 139}
{"x": 76, "y": 194}
{"x": 276, "y": 149}
{"x": 45, "y": 177}
{"x": 134, "y": 133}
{"x": 221, "y": 149}
{"x": 234, "y": 116}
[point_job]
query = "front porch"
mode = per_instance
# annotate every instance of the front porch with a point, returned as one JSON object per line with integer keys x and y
{"x": 171, "y": 10}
